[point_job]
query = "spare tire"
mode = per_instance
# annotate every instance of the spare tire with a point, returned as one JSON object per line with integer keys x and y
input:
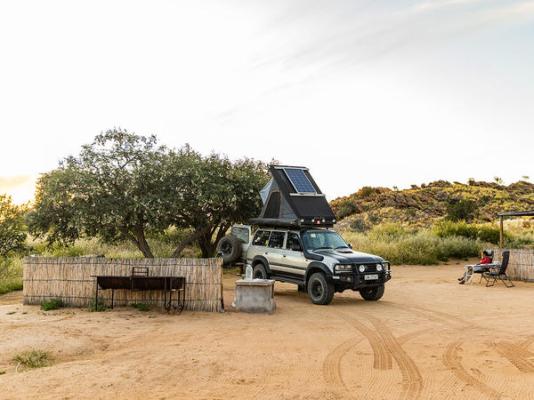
{"x": 229, "y": 248}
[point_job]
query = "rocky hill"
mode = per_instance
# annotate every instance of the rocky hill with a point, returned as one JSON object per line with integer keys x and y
{"x": 423, "y": 205}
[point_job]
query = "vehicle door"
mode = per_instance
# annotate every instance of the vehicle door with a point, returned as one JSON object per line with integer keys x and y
{"x": 293, "y": 258}
{"x": 259, "y": 244}
{"x": 275, "y": 250}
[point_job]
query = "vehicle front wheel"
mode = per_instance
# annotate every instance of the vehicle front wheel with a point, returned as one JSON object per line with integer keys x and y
{"x": 373, "y": 293}
{"x": 320, "y": 290}
{"x": 259, "y": 272}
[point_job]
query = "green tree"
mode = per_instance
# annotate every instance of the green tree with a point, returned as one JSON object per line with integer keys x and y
{"x": 111, "y": 191}
{"x": 212, "y": 193}
{"x": 12, "y": 230}
{"x": 126, "y": 187}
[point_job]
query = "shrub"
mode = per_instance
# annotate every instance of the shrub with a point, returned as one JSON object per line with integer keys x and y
{"x": 33, "y": 359}
{"x": 345, "y": 209}
{"x": 410, "y": 247}
{"x": 488, "y": 233}
{"x": 463, "y": 209}
{"x": 449, "y": 228}
{"x": 358, "y": 225}
{"x": 52, "y": 304}
{"x": 98, "y": 308}
{"x": 10, "y": 274}
{"x": 390, "y": 231}
{"x": 484, "y": 233}
{"x": 141, "y": 306}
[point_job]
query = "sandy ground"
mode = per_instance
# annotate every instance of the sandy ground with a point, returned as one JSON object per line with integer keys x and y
{"x": 428, "y": 338}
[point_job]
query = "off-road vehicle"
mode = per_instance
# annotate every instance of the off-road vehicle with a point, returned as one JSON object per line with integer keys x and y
{"x": 293, "y": 242}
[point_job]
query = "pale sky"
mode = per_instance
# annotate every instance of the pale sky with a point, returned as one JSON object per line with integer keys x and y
{"x": 363, "y": 92}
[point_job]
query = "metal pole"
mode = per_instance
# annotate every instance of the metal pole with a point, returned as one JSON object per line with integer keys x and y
{"x": 501, "y": 233}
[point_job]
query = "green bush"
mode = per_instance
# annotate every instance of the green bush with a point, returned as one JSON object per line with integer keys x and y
{"x": 52, "y": 304}
{"x": 489, "y": 234}
{"x": 10, "y": 274}
{"x": 358, "y": 225}
{"x": 141, "y": 306}
{"x": 484, "y": 233}
{"x": 463, "y": 209}
{"x": 98, "y": 308}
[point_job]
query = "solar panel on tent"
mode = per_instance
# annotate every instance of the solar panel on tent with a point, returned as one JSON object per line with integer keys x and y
{"x": 299, "y": 180}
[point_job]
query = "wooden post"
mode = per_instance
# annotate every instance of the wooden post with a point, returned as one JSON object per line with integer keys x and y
{"x": 501, "y": 233}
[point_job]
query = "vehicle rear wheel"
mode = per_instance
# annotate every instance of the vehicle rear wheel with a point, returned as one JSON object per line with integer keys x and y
{"x": 320, "y": 290}
{"x": 372, "y": 293}
{"x": 229, "y": 248}
{"x": 259, "y": 272}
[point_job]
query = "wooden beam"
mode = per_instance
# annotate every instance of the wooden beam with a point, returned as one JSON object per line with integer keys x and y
{"x": 501, "y": 233}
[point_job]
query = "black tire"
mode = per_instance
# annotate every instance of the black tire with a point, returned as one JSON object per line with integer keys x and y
{"x": 320, "y": 290}
{"x": 229, "y": 248}
{"x": 372, "y": 293}
{"x": 259, "y": 272}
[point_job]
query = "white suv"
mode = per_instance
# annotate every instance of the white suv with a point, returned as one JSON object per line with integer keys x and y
{"x": 318, "y": 260}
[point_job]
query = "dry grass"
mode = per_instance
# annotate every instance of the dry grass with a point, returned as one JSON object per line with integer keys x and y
{"x": 32, "y": 359}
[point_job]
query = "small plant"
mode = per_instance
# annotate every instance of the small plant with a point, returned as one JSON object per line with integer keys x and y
{"x": 141, "y": 306}
{"x": 98, "y": 308}
{"x": 52, "y": 304}
{"x": 33, "y": 359}
{"x": 2, "y": 372}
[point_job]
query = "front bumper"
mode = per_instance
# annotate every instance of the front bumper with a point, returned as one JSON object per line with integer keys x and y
{"x": 356, "y": 280}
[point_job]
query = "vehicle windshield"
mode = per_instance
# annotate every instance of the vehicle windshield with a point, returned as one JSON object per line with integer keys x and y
{"x": 314, "y": 240}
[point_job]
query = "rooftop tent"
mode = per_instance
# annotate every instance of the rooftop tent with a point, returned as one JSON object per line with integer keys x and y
{"x": 292, "y": 198}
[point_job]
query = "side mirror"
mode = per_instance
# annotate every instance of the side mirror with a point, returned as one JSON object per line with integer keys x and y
{"x": 350, "y": 245}
{"x": 296, "y": 247}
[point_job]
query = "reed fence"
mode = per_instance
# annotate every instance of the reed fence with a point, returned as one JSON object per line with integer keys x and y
{"x": 71, "y": 279}
{"x": 521, "y": 264}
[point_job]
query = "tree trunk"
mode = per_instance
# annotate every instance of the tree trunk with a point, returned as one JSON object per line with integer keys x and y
{"x": 142, "y": 243}
{"x": 206, "y": 246}
{"x": 197, "y": 233}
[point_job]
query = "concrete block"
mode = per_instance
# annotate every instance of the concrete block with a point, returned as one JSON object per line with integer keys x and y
{"x": 255, "y": 296}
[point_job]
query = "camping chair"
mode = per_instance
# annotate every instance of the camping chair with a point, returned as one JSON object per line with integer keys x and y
{"x": 499, "y": 273}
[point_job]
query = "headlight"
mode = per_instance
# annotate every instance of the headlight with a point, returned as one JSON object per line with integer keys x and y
{"x": 361, "y": 268}
{"x": 343, "y": 268}
{"x": 379, "y": 267}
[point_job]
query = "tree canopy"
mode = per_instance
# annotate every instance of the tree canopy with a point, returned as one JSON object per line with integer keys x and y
{"x": 124, "y": 187}
{"x": 12, "y": 232}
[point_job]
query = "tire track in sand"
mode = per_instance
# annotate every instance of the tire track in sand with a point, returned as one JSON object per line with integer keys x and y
{"x": 453, "y": 361}
{"x": 516, "y": 354}
{"x": 332, "y": 363}
{"x": 412, "y": 380}
{"x": 525, "y": 344}
{"x": 381, "y": 355}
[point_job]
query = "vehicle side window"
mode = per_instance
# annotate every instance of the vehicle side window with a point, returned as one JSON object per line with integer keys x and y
{"x": 277, "y": 239}
{"x": 293, "y": 242}
{"x": 261, "y": 238}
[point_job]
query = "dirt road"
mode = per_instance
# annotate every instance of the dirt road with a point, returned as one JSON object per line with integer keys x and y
{"x": 428, "y": 338}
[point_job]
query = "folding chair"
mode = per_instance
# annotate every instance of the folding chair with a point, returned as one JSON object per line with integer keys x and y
{"x": 499, "y": 273}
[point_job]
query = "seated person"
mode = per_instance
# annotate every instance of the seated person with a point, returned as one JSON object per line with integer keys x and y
{"x": 487, "y": 258}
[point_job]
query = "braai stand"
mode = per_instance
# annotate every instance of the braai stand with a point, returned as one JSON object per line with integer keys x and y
{"x": 140, "y": 281}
